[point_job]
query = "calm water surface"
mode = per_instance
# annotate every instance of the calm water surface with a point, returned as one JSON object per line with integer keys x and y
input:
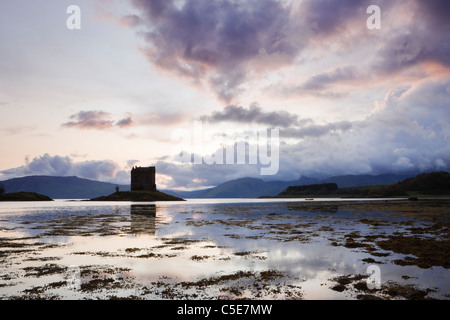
{"x": 207, "y": 249}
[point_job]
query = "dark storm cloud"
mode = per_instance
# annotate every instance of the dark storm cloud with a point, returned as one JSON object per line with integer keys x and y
{"x": 425, "y": 39}
{"x": 410, "y": 49}
{"x": 326, "y": 17}
{"x": 223, "y": 43}
{"x": 436, "y": 12}
{"x": 213, "y": 41}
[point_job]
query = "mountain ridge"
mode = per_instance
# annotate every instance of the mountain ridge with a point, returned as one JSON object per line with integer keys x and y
{"x": 61, "y": 187}
{"x": 80, "y": 188}
{"x": 236, "y": 188}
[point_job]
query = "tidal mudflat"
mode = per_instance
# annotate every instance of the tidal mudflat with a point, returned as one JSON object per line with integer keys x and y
{"x": 226, "y": 249}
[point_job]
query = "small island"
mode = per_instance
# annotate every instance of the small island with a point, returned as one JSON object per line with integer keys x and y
{"x": 24, "y": 196}
{"x": 138, "y": 196}
{"x": 143, "y": 189}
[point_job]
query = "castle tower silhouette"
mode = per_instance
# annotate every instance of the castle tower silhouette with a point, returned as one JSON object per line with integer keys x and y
{"x": 143, "y": 178}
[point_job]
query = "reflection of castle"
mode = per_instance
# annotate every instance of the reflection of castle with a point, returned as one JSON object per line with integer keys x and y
{"x": 143, "y": 219}
{"x": 143, "y": 179}
{"x": 143, "y": 209}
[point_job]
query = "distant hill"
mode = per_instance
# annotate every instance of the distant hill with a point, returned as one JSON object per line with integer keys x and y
{"x": 349, "y": 181}
{"x": 255, "y": 188}
{"x": 434, "y": 183}
{"x": 61, "y": 187}
{"x": 241, "y": 188}
{"x": 316, "y": 189}
{"x": 77, "y": 188}
{"x": 24, "y": 196}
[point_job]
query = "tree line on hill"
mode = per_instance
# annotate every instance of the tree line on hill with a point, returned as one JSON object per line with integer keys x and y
{"x": 434, "y": 183}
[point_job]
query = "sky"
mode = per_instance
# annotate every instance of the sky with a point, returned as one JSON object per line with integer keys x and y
{"x": 313, "y": 88}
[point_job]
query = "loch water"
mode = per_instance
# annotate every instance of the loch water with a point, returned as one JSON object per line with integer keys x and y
{"x": 219, "y": 249}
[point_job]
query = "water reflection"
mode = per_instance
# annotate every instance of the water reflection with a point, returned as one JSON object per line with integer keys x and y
{"x": 238, "y": 249}
{"x": 143, "y": 209}
{"x": 143, "y": 219}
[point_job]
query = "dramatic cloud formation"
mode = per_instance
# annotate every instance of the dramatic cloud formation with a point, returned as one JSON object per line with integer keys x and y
{"x": 408, "y": 132}
{"x": 346, "y": 98}
{"x": 220, "y": 43}
{"x": 427, "y": 38}
{"x": 225, "y": 43}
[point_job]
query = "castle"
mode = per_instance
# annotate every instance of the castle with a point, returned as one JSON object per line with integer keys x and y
{"x": 143, "y": 178}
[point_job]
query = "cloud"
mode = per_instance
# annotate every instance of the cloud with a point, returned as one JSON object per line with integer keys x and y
{"x": 125, "y": 123}
{"x": 89, "y": 120}
{"x": 436, "y": 13}
{"x": 190, "y": 176}
{"x": 328, "y": 17}
{"x": 219, "y": 43}
{"x": 324, "y": 80}
{"x": 225, "y": 45}
{"x": 408, "y": 135}
{"x": 132, "y": 163}
{"x": 97, "y": 120}
{"x": 315, "y": 130}
{"x": 290, "y": 125}
{"x": 17, "y": 130}
{"x": 425, "y": 37}
{"x": 104, "y": 170}
{"x": 162, "y": 118}
{"x": 254, "y": 114}
{"x": 334, "y": 84}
